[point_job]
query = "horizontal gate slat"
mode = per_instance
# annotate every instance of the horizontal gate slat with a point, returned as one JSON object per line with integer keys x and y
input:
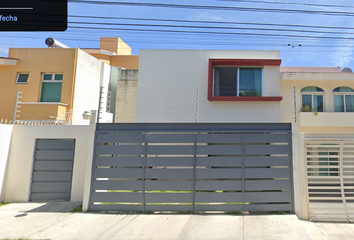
{"x": 267, "y": 197}
{"x": 169, "y": 185}
{"x": 53, "y": 165}
{"x": 170, "y": 161}
{"x": 267, "y": 161}
{"x": 118, "y": 185}
{"x": 218, "y": 197}
{"x": 169, "y": 173}
{"x": 267, "y": 207}
{"x": 219, "y": 161}
{"x": 266, "y": 138}
{"x": 178, "y": 149}
{"x": 168, "y": 197}
{"x": 120, "y": 149}
{"x": 171, "y": 138}
{"x": 227, "y": 185}
{"x": 177, "y": 208}
{"x": 215, "y": 207}
{"x": 267, "y": 173}
{"x": 54, "y": 144}
{"x": 120, "y": 138}
{"x": 219, "y": 138}
{"x": 50, "y": 196}
{"x": 266, "y": 149}
{"x": 51, "y": 187}
{"x": 120, "y": 161}
{"x": 117, "y": 197}
{"x": 119, "y": 173}
{"x": 218, "y": 173}
{"x": 267, "y": 185}
{"x": 54, "y": 155}
{"x": 219, "y": 149}
{"x": 116, "y": 207}
{"x": 52, "y": 176}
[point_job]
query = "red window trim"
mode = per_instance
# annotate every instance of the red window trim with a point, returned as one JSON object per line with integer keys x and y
{"x": 239, "y": 62}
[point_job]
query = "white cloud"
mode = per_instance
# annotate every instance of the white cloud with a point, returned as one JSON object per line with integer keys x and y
{"x": 343, "y": 56}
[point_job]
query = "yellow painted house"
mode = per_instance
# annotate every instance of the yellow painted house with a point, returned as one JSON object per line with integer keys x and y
{"x": 56, "y": 85}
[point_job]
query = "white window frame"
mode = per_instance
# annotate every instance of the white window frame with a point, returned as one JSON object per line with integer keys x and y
{"x": 312, "y": 95}
{"x": 238, "y": 79}
{"x": 49, "y": 81}
{"x": 18, "y": 76}
{"x": 342, "y": 94}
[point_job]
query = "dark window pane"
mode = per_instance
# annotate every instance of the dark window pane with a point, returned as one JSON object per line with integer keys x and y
{"x": 51, "y": 92}
{"x": 343, "y": 89}
{"x": 225, "y": 81}
{"x": 312, "y": 89}
{"x": 22, "y": 77}
{"x": 338, "y": 103}
{"x": 47, "y": 76}
{"x": 318, "y": 103}
{"x": 250, "y": 82}
{"x": 349, "y": 103}
{"x": 58, "y": 77}
{"x": 307, "y": 101}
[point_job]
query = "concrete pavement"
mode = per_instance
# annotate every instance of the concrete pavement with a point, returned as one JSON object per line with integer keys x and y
{"x": 55, "y": 221}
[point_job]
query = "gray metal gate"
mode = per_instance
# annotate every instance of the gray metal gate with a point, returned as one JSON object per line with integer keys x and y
{"x": 192, "y": 167}
{"x": 52, "y": 169}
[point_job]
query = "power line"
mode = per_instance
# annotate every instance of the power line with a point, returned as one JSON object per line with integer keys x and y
{"x": 206, "y": 7}
{"x": 209, "y": 32}
{"x": 208, "y": 27}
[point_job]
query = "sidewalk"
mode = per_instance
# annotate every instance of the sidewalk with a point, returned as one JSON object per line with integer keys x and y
{"x": 55, "y": 221}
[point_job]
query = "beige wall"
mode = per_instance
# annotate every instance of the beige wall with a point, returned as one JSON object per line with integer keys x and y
{"x": 127, "y": 90}
{"x": 36, "y": 61}
{"x": 128, "y": 61}
{"x": 18, "y": 177}
{"x": 116, "y": 45}
{"x": 327, "y": 82}
{"x": 5, "y": 141}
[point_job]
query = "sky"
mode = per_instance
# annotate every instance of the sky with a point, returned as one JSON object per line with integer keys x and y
{"x": 222, "y": 25}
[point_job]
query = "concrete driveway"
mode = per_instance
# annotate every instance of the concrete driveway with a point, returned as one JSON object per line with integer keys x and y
{"x": 55, "y": 221}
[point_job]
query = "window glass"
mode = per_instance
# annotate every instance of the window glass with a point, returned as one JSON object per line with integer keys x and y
{"x": 307, "y": 101}
{"x": 312, "y": 89}
{"x": 58, "y": 77}
{"x": 349, "y": 103}
{"x": 47, "y": 76}
{"x": 338, "y": 103}
{"x": 250, "y": 82}
{"x": 225, "y": 81}
{"x": 51, "y": 92}
{"x": 318, "y": 103}
{"x": 22, "y": 78}
{"x": 343, "y": 89}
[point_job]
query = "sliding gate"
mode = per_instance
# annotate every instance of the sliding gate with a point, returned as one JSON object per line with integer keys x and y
{"x": 192, "y": 168}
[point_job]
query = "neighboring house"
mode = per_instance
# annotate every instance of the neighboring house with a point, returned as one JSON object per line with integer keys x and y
{"x": 57, "y": 85}
{"x": 321, "y": 101}
{"x": 208, "y": 86}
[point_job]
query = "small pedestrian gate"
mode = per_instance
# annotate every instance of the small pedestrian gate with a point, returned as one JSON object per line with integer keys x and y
{"x": 192, "y": 168}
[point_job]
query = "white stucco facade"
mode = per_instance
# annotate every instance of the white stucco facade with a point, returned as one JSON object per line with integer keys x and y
{"x": 91, "y": 74}
{"x": 17, "y": 182}
{"x": 170, "y": 80}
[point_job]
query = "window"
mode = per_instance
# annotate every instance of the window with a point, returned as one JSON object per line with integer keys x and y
{"x": 51, "y": 87}
{"x": 22, "y": 78}
{"x": 343, "y": 99}
{"x": 313, "y": 98}
{"x": 237, "y": 81}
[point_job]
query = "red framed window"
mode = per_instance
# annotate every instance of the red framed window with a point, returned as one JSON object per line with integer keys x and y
{"x": 238, "y": 79}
